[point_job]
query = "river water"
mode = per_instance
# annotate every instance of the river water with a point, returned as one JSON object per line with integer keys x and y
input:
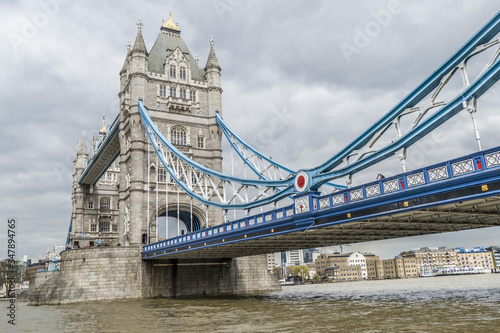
{"x": 439, "y": 304}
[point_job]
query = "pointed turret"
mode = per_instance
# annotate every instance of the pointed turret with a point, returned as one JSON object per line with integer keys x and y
{"x": 82, "y": 149}
{"x": 139, "y": 45}
{"x": 212, "y": 62}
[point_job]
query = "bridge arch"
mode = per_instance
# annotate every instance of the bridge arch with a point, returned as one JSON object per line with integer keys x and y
{"x": 198, "y": 220}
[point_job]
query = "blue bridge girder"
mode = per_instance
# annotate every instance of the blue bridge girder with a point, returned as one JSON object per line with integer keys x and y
{"x": 106, "y": 153}
{"x": 459, "y": 194}
{"x": 423, "y": 106}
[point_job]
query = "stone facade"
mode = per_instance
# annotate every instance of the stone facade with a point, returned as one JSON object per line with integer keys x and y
{"x": 182, "y": 99}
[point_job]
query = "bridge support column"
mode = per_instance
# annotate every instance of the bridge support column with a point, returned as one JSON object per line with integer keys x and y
{"x": 210, "y": 277}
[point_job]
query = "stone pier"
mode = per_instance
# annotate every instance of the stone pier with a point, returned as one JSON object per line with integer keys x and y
{"x": 114, "y": 273}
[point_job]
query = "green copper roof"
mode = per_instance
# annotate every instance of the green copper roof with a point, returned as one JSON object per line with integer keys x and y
{"x": 164, "y": 45}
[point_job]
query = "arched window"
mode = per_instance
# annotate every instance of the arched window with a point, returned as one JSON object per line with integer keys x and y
{"x": 182, "y": 73}
{"x": 178, "y": 136}
{"x": 105, "y": 203}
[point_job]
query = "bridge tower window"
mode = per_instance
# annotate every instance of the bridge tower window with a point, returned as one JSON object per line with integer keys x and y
{"x": 162, "y": 175}
{"x": 183, "y": 93}
{"x": 172, "y": 71}
{"x": 91, "y": 204}
{"x": 104, "y": 226}
{"x": 200, "y": 142}
{"x": 192, "y": 95}
{"x": 182, "y": 73}
{"x": 178, "y": 136}
{"x": 105, "y": 203}
{"x": 163, "y": 91}
{"x": 173, "y": 92}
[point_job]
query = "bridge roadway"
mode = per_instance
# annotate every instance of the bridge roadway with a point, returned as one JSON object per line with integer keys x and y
{"x": 460, "y": 194}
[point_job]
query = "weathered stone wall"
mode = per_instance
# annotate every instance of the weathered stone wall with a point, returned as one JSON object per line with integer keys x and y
{"x": 101, "y": 273}
{"x": 112, "y": 273}
{"x": 179, "y": 278}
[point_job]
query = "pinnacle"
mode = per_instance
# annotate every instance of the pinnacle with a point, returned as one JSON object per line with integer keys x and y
{"x": 212, "y": 61}
{"x": 139, "y": 45}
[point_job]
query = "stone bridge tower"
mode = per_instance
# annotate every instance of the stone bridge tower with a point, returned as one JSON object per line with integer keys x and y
{"x": 182, "y": 99}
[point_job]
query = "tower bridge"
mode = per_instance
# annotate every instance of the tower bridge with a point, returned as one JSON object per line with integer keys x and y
{"x": 162, "y": 156}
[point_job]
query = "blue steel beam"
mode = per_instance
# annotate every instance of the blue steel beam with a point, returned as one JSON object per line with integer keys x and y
{"x": 230, "y": 134}
{"x": 463, "y": 179}
{"x": 486, "y": 33}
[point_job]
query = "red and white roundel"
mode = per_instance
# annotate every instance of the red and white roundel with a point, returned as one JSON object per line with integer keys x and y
{"x": 301, "y": 181}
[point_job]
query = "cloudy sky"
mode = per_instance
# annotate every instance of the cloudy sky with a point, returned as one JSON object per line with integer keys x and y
{"x": 301, "y": 61}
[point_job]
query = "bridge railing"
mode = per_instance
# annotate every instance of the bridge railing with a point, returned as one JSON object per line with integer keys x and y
{"x": 440, "y": 172}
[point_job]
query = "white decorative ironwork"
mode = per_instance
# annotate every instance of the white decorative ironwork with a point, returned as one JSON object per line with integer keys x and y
{"x": 279, "y": 215}
{"x": 251, "y": 221}
{"x": 390, "y": 186}
{"x": 229, "y": 227}
{"x": 269, "y": 217}
{"x": 289, "y": 212}
{"x": 372, "y": 190}
{"x": 324, "y": 203}
{"x": 438, "y": 173}
{"x": 337, "y": 199}
{"x": 462, "y": 167}
{"x": 356, "y": 195}
{"x": 260, "y": 219}
{"x": 302, "y": 205}
{"x": 242, "y": 224}
{"x": 492, "y": 159}
{"x": 415, "y": 179}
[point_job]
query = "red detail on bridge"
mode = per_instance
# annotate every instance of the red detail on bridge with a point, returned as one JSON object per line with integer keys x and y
{"x": 479, "y": 164}
{"x": 402, "y": 183}
{"x": 346, "y": 197}
{"x": 301, "y": 181}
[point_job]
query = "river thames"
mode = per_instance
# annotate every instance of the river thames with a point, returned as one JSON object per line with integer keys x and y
{"x": 438, "y": 304}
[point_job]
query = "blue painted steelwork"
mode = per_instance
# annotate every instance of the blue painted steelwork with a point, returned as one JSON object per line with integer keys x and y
{"x": 68, "y": 238}
{"x": 426, "y": 181}
{"x": 485, "y": 34}
{"x": 327, "y": 171}
{"x": 231, "y": 136}
{"x": 286, "y": 186}
{"x": 110, "y": 134}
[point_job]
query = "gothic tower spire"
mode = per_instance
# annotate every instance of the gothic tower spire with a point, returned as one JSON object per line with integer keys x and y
{"x": 139, "y": 45}
{"x": 212, "y": 62}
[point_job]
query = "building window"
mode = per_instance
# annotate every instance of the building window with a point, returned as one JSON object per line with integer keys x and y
{"x": 192, "y": 96}
{"x": 172, "y": 71}
{"x": 105, "y": 203}
{"x": 182, "y": 73}
{"x": 200, "y": 142}
{"x": 93, "y": 227}
{"x": 104, "y": 226}
{"x": 91, "y": 204}
{"x": 178, "y": 136}
{"x": 162, "y": 175}
{"x": 163, "y": 91}
{"x": 115, "y": 227}
{"x": 173, "y": 92}
{"x": 183, "y": 93}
